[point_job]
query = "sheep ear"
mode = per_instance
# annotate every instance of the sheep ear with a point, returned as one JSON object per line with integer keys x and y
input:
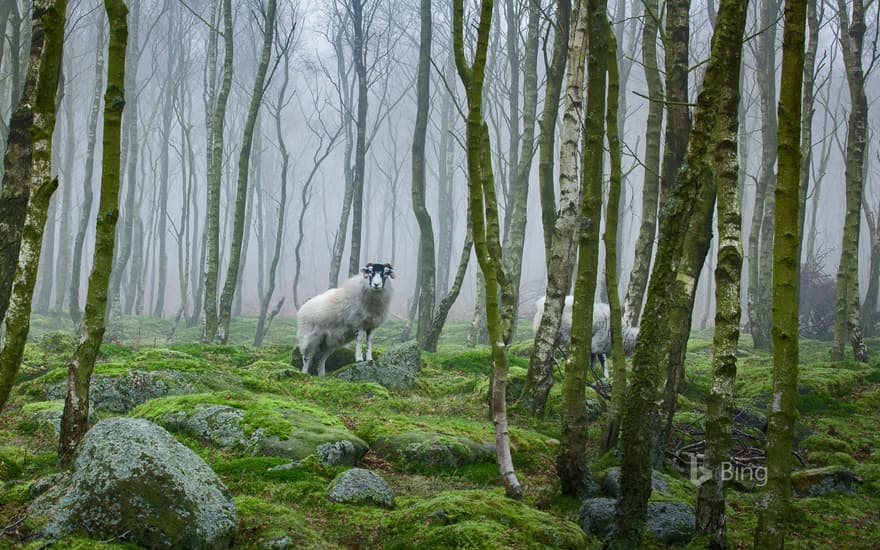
{"x": 366, "y": 270}
{"x": 389, "y": 270}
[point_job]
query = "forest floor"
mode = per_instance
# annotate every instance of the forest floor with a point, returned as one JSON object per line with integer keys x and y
{"x": 437, "y": 506}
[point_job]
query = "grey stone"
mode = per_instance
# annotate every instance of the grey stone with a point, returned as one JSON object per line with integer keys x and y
{"x": 817, "y": 482}
{"x": 668, "y": 522}
{"x": 225, "y": 427}
{"x": 132, "y": 477}
{"x": 431, "y": 449}
{"x": 338, "y": 453}
{"x": 671, "y": 522}
{"x": 406, "y": 356}
{"x": 611, "y": 483}
{"x": 120, "y": 394}
{"x": 389, "y": 376}
{"x": 359, "y": 486}
{"x": 597, "y": 516}
{"x": 280, "y": 543}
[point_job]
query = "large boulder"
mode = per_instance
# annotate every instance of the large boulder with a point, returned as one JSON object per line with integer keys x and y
{"x": 396, "y": 368}
{"x": 817, "y": 482}
{"x": 282, "y": 432}
{"x": 671, "y": 522}
{"x": 668, "y": 522}
{"x": 611, "y": 483}
{"x": 431, "y": 449}
{"x": 359, "y": 486}
{"x": 131, "y": 477}
{"x": 120, "y": 394}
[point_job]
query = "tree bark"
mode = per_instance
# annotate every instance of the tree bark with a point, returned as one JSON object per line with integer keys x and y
{"x": 690, "y": 198}
{"x": 773, "y": 507}
{"x": 561, "y": 251}
{"x": 427, "y": 264}
{"x": 88, "y": 193}
{"x": 638, "y": 279}
{"x": 618, "y": 374}
{"x": 848, "y": 319}
{"x": 484, "y": 215}
{"x": 571, "y": 465}
{"x": 549, "y": 117}
{"x": 215, "y": 176}
{"x": 28, "y": 181}
{"x": 358, "y": 52}
{"x": 75, "y": 419}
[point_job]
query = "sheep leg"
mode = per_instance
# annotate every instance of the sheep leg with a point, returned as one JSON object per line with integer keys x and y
{"x": 307, "y": 361}
{"x": 322, "y": 358}
{"x": 369, "y": 345}
{"x": 358, "y": 347}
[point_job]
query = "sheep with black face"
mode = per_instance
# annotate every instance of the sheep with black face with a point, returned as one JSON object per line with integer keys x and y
{"x": 338, "y": 316}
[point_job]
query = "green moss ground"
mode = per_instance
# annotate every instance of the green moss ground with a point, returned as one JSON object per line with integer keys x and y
{"x": 839, "y": 411}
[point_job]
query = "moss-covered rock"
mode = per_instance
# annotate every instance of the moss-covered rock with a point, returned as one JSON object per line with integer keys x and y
{"x": 360, "y": 486}
{"x": 666, "y": 522}
{"x": 120, "y": 394}
{"x": 479, "y": 519}
{"x": 132, "y": 478}
{"x": 253, "y": 425}
{"x": 416, "y": 449}
{"x": 817, "y": 482}
{"x": 611, "y": 483}
{"x": 377, "y": 373}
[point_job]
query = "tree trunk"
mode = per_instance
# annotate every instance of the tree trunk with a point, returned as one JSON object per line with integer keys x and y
{"x": 484, "y": 215}
{"x": 75, "y": 419}
{"x": 28, "y": 180}
{"x": 549, "y": 117}
{"x": 638, "y": 279}
{"x": 571, "y": 465}
{"x": 513, "y": 247}
{"x": 445, "y": 180}
{"x": 561, "y": 250}
{"x": 427, "y": 265}
{"x": 131, "y": 145}
{"x": 478, "y": 333}
{"x": 773, "y": 507}
{"x": 265, "y": 319}
{"x": 244, "y": 157}
{"x": 848, "y": 307}
{"x": 872, "y": 295}
{"x": 807, "y": 109}
{"x": 710, "y": 496}
{"x": 618, "y": 387}
{"x": 215, "y": 176}
{"x": 360, "y": 28}
{"x": 88, "y": 193}
{"x": 691, "y": 197}
{"x": 62, "y": 272}
{"x": 446, "y": 303}
{"x": 760, "y": 236}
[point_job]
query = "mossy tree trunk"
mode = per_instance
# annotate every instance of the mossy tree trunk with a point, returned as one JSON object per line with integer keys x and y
{"x": 427, "y": 264}
{"x": 433, "y": 335}
{"x": 215, "y": 177}
{"x": 728, "y": 271}
{"x": 618, "y": 373}
{"x": 807, "y": 117}
{"x": 678, "y": 115}
{"x": 75, "y": 419}
{"x": 773, "y": 507}
{"x": 761, "y": 234}
{"x": 872, "y": 295}
{"x": 519, "y": 193}
{"x": 88, "y": 193}
{"x": 549, "y": 117}
{"x": 562, "y": 251}
{"x": 691, "y": 196}
{"x": 571, "y": 465}
{"x": 27, "y": 182}
{"x": 484, "y": 219}
{"x": 360, "y": 22}
{"x": 848, "y": 319}
{"x": 638, "y": 279}
{"x": 241, "y": 195}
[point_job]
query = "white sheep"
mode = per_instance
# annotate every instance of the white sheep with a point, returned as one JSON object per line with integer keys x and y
{"x": 337, "y": 316}
{"x": 601, "y": 343}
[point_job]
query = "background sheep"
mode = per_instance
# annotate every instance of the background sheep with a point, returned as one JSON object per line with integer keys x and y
{"x": 337, "y": 316}
{"x": 601, "y": 343}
